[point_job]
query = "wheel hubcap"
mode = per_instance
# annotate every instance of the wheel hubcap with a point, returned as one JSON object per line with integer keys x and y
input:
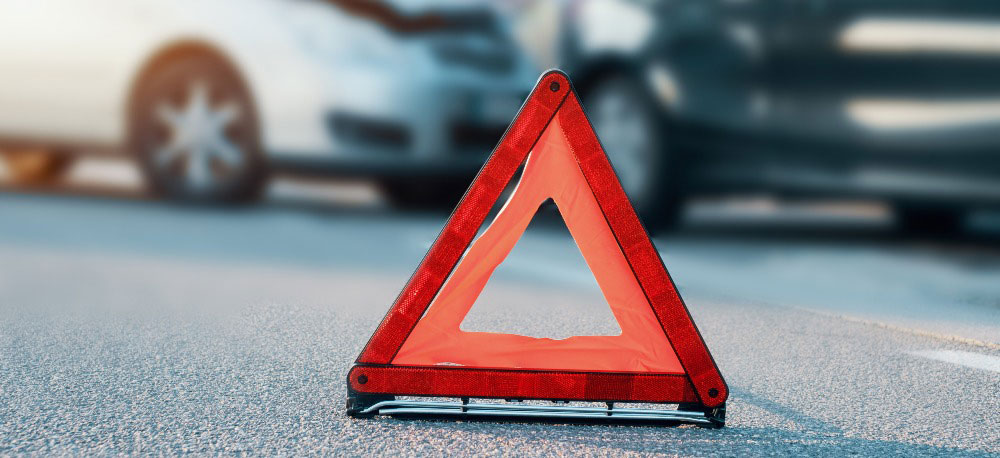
{"x": 624, "y": 130}
{"x": 197, "y": 139}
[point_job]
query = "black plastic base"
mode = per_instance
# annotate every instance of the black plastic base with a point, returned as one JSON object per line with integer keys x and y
{"x": 368, "y": 405}
{"x": 716, "y": 415}
{"x": 357, "y": 403}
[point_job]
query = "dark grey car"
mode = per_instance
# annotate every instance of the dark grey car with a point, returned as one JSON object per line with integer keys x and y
{"x": 891, "y": 99}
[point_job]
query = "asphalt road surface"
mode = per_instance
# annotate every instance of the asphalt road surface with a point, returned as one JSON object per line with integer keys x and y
{"x": 134, "y": 327}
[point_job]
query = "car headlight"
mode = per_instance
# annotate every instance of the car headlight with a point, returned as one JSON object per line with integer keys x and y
{"x": 329, "y": 33}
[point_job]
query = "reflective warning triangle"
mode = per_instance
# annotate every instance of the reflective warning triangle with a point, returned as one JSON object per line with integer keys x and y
{"x": 419, "y": 348}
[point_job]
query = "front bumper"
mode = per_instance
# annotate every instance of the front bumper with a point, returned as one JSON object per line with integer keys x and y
{"x": 377, "y": 122}
{"x": 378, "y": 167}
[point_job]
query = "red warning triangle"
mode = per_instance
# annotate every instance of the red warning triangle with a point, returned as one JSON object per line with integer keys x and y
{"x": 419, "y": 348}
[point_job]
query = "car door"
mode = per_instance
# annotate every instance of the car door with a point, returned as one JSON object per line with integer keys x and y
{"x": 862, "y": 69}
{"x": 801, "y": 77}
{"x": 57, "y": 68}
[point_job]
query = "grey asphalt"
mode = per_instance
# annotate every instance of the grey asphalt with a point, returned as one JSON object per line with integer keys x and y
{"x": 134, "y": 327}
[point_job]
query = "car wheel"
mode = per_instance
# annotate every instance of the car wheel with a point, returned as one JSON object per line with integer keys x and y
{"x": 633, "y": 134}
{"x": 929, "y": 220}
{"x": 194, "y": 130}
{"x": 36, "y": 167}
{"x": 428, "y": 194}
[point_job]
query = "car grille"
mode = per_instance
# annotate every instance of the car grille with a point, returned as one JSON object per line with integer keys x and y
{"x": 496, "y": 60}
{"x": 381, "y": 134}
{"x": 476, "y": 138}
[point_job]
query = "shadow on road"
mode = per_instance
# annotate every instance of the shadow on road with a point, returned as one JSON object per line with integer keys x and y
{"x": 733, "y": 440}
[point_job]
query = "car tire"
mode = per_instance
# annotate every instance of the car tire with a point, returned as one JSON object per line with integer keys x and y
{"x": 633, "y": 132}
{"x": 439, "y": 194}
{"x": 929, "y": 220}
{"x": 194, "y": 130}
{"x": 36, "y": 167}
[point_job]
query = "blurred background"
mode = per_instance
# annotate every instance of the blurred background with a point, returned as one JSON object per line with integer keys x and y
{"x": 892, "y": 106}
{"x": 212, "y": 203}
{"x": 786, "y": 127}
{"x": 763, "y": 139}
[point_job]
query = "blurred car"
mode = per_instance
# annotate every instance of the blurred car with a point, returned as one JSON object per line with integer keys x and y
{"x": 210, "y": 96}
{"x": 888, "y": 99}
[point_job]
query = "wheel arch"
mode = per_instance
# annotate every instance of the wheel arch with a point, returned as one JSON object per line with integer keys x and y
{"x": 607, "y": 65}
{"x": 170, "y": 52}
{"x": 596, "y": 68}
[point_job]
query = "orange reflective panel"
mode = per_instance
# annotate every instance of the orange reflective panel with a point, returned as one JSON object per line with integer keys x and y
{"x": 549, "y": 172}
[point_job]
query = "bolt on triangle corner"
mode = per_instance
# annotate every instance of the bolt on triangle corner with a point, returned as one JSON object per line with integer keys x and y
{"x": 418, "y": 349}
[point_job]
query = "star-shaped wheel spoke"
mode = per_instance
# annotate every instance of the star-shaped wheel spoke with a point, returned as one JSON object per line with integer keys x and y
{"x": 197, "y": 135}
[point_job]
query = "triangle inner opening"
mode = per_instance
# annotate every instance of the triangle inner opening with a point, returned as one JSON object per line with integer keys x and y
{"x": 543, "y": 288}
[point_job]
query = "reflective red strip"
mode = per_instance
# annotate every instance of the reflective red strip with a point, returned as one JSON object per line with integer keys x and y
{"x": 642, "y": 255}
{"x": 520, "y": 384}
{"x": 461, "y": 227}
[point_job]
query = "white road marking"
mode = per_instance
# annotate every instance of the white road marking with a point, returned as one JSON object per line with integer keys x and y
{"x": 962, "y": 358}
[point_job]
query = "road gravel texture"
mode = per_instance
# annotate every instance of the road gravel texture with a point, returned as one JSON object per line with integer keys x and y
{"x": 107, "y": 349}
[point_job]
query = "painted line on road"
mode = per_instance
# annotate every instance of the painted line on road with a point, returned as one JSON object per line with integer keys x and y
{"x": 893, "y": 327}
{"x": 962, "y": 358}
